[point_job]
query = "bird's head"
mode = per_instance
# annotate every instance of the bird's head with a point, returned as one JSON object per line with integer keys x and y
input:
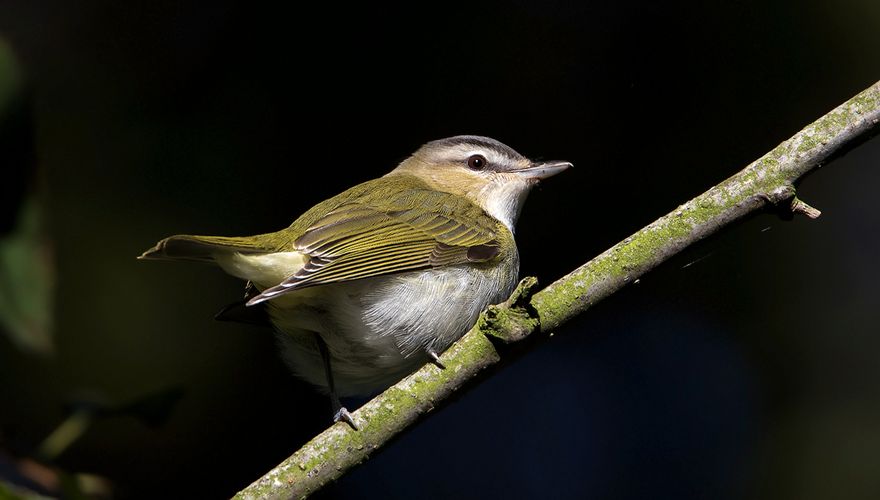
{"x": 487, "y": 172}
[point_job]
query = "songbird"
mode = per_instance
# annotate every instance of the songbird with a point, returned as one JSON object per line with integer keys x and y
{"x": 372, "y": 283}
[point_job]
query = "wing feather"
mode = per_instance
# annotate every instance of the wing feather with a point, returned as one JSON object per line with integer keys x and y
{"x": 359, "y": 240}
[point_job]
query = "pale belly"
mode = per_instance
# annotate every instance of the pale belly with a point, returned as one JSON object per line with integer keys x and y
{"x": 379, "y": 329}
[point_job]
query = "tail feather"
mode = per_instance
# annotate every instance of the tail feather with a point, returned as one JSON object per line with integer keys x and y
{"x": 202, "y": 248}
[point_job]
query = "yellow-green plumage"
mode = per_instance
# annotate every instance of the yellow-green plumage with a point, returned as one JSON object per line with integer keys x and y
{"x": 388, "y": 270}
{"x": 386, "y": 225}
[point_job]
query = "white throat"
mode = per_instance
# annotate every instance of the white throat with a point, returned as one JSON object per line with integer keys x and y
{"x": 503, "y": 199}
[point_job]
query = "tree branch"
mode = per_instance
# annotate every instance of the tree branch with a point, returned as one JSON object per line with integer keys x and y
{"x": 768, "y": 181}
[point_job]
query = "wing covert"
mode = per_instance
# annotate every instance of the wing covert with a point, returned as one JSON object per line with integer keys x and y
{"x": 422, "y": 230}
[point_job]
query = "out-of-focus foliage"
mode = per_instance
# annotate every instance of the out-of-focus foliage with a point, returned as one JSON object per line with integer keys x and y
{"x": 26, "y": 282}
{"x": 26, "y": 268}
{"x": 14, "y": 492}
{"x": 10, "y": 77}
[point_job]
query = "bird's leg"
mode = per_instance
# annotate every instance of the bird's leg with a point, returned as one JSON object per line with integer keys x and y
{"x": 340, "y": 413}
{"x": 435, "y": 358}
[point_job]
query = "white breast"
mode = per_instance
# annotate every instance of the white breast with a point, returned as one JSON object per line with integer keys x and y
{"x": 379, "y": 329}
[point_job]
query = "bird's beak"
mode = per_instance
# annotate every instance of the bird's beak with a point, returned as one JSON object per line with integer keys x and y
{"x": 543, "y": 170}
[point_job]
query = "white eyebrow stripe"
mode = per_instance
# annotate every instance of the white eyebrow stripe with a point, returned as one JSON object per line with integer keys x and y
{"x": 490, "y": 155}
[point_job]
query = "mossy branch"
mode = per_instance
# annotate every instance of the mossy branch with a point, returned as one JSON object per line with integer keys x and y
{"x": 768, "y": 181}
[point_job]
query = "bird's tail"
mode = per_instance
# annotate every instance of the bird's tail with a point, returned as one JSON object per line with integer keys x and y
{"x": 203, "y": 248}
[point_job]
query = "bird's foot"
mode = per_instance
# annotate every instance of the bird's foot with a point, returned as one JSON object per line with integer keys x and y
{"x": 343, "y": 415}
{"x": 435, "y": 358}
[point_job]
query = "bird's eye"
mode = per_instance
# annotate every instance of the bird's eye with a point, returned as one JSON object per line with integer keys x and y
{"x": 477, "y": 162}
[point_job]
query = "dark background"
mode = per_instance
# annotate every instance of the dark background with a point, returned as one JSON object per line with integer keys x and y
{"x": 743, "y": 368}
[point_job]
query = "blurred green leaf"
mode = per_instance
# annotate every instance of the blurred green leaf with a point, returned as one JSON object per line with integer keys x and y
{"x": 14, "y": 492}
{"x": 152, "y": 409}
{"x": 10, "y": 77}
{"x": 73, "y": 427}
{"x": 26, "y": 271}
{"x": 27, "y": 281}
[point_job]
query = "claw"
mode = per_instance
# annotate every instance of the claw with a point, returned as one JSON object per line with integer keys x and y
{"x": 435, "y": 358}
{"x": 342, "y": 415}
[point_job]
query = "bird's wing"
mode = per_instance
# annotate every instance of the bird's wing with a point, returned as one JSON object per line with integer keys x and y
{"x": 416, "y": 229}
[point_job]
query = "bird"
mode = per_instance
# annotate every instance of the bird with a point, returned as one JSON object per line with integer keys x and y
{"x": 367, "y": 286}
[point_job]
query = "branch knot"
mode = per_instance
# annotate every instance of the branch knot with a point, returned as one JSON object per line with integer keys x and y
{"x": 788, "y": 204}
{"x": 515, "y": 318}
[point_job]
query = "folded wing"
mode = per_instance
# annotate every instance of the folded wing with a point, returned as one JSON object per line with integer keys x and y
{"x": 415, "y": 230}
